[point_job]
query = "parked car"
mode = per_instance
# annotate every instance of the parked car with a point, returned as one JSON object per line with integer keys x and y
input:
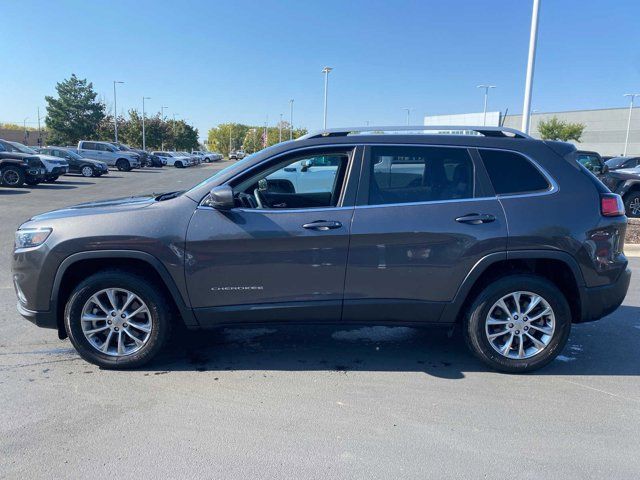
{"x": 155, "y": 161}
{"x": 237, "y": 155}
{"x": 617, "y": 163}
{"x": 624, "y": 182}
{"x": 77, "y": 164}
{"x": 208, "y": 157}
{"x": 193, "y": 159}
{"x": 173, "y": 159}
{"x": 421, "y": 240}
{"x": 54, "y": 167}
{"x": 16, "y": 168}
{"x": 108, "y": 153}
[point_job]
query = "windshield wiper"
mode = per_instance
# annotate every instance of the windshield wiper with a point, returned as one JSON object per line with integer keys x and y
{"x": 169, "y": 196}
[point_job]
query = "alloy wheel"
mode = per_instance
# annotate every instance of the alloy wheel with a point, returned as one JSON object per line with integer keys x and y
{"x": 87, "y": 171}
{"x": 520, "y": 325}
{"x": 116, "y": 322}
{"x": 10, "y": 177}
{"x": 634, "y": 206}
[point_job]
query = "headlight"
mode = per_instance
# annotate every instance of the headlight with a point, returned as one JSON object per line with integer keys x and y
{"x": 31, "y": 237}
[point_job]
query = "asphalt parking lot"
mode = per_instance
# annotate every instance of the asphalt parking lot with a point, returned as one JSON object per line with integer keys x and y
{"x": 293, "y": 402}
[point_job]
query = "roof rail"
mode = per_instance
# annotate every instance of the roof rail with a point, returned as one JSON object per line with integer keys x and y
{"x": 486, "y": 131}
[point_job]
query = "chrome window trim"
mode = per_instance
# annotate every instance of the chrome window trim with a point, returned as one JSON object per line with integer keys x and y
{"x": 279, "y": 210}
{"x": 553, "y": 185}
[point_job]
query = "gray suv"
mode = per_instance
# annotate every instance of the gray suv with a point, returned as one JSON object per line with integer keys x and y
{"x": 477, "y": 232}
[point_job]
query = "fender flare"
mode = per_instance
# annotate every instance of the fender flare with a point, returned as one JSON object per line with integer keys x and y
{"x": 183, "y": 307}
{"x": 453, "y": 309}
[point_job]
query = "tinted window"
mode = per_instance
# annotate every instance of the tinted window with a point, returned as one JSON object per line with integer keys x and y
{"x": 419, "y": 174}
{"x": 512, "y": 173}
{"x": 89, "y": 146}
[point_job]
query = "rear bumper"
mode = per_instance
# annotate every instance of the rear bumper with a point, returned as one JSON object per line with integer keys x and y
{"x": 598, "y": 302}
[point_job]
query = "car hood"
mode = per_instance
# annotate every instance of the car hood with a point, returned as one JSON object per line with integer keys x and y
{"x": 100, "y": 207}
{"x": 50, "y": 159}
{"x": 625, "y": 174}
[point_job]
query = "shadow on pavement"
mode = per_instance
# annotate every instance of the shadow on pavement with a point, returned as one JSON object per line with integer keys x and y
{"x": 605, "y": 347}
{"x": 9, "y": 191}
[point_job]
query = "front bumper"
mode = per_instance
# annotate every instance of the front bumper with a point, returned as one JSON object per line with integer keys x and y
{"x": 40, "y": 319}
{"x": 598, "y": 302}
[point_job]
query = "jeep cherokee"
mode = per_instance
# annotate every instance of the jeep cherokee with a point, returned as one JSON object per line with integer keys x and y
{"x": 474, "y": 231}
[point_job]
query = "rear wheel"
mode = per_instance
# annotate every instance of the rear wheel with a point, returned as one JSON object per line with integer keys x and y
{"x": 87, "y": 171}
{"x": 179, "y": 165}
{"x": 117, "y": 320}
{"x": 518, "y": 324}
{"x": 11, "y": 177}
{"x": 632, "y": 204}
{"x": 123, "y": 165}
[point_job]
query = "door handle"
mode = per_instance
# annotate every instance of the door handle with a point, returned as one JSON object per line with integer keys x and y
{"x": 322, "y": 225}
{"x": 476, "y": 218}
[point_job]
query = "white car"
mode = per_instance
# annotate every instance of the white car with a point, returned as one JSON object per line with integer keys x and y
{"x": 174, "y": 159}
{"x": 311, "y": 175}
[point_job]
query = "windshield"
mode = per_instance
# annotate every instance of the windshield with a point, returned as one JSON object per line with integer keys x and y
{"x": 23, "y": 148}
{"x": 616, "y": 161}
{"x": 72, "y": 154}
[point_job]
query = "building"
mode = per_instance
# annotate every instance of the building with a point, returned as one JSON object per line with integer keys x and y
{"x": 605, "y": 129}
{"x": 29, "y": 137}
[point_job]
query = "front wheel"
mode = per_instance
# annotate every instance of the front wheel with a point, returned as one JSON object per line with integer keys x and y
{"x": 123, "y": 165}
{"x": 518, "y": 324}
{"x": 12, "y": 177}
{"x": 117, "y": 320}
{"x": 632, "y": 204}
{"x": 87, "y": 171}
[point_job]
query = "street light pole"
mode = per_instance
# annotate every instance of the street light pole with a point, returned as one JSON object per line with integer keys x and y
{"x": 115, "y": 109}
{"x": 291, "y": 119}
{"x": 280, "y": 129}
{"x": 326, "y": 71}
{"x": 626, "y": 141}
{"x": 144, "y": 138}
{"x": 24, "y": 126}
{"x": 162, "y": 109}
{"x": 486, "y": 99}
{"x": 533, "y": 40}
{"x": 39, "y": 130}
{"x": 408, "y": 114}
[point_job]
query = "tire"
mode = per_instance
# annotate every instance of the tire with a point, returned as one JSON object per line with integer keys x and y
{"x": 159, "y": 313}
{"x": 12, "y": 176}
{"x": 632, "y": 204}
{"x": 476, "y": 330}
{"x": 87, "y": 171}
{"x": 123, "y": 165}
{"x": 179, "y": 165}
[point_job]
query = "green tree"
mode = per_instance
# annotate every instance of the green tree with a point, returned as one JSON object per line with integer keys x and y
{"x": 75, "y": 114}
{"x": 554, "y": 129}
{"x": 227, "y": 135}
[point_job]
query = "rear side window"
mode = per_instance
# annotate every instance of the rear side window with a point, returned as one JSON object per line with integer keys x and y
{"x": 406, "y": 174}
{"x": 89, "y": 146}
{"x": 511, "y": 173}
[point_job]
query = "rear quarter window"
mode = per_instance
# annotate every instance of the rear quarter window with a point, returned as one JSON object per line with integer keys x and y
{"x": 511, "y": 173}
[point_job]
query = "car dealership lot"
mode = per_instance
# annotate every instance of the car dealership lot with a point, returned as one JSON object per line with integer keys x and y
{"x": 304, "y": 402}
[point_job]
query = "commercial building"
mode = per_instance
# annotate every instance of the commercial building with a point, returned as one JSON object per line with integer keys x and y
{"x": 605, "y": 129}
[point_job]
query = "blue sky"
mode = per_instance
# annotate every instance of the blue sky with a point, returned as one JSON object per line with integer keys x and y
{"x": 219, "y": 61}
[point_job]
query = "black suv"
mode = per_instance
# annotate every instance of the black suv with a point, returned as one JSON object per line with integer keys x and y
{"x": 18, "y": 168}
{"x": 344, "y": 226}
{"x": 625, "y": 183}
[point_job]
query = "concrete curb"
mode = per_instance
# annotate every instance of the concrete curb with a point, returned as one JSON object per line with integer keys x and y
{"x": 632, "y": 250}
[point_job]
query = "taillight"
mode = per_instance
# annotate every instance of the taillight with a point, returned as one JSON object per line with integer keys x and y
{"x": 611, "y": 205}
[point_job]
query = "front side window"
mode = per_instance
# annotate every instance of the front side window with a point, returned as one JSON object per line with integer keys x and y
{"x": 313, "y": 181}
{"x": 511, "y": 173}
{"x": 410, "y": 174}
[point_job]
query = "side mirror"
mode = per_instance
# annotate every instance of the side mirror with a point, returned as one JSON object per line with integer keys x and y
{"x": 221, "y": 198}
